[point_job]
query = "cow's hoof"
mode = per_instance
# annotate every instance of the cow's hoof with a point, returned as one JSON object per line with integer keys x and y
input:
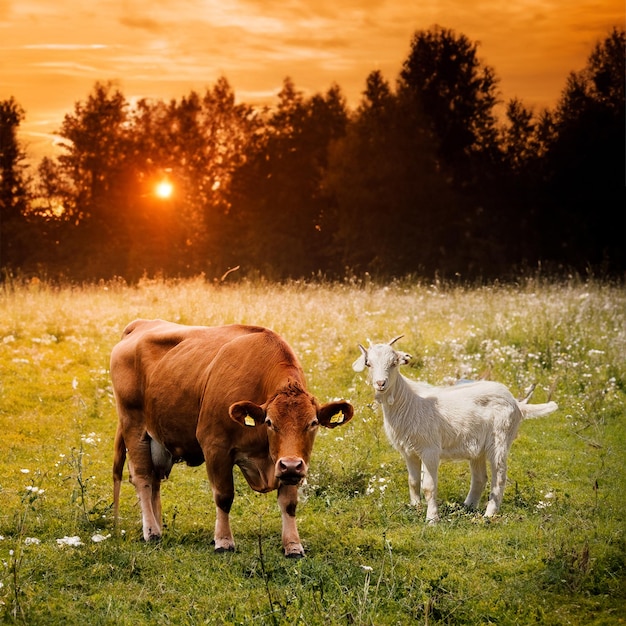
{"x": 223, "y": 545}
{"x": 152, "y": 538}
{"x": 294, "y": 551}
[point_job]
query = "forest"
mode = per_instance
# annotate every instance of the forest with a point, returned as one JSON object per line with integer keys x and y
{"x": 433, "y": 175}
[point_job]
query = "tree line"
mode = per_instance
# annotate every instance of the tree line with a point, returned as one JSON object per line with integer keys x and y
{"x": 432, "y": 175}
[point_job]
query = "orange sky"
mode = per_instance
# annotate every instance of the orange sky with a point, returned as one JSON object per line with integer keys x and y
{"x": 53, "y": 51}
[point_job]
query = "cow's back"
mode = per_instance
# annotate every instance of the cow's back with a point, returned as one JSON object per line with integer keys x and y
{"x": 154, "y": 354}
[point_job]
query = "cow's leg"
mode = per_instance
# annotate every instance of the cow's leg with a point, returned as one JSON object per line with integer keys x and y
{"x": 223, "y": 486}
{"x": 478, "y": 468}
{"x": 143, "y": 478}
{"x": 162, "y": 463}
{"x": 287, "y": 502}
{"x": 156, "y": 502}
{"x": 430, "y": 461}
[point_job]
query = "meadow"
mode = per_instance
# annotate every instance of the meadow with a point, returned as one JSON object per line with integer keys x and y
{"x": 553, "y": 555}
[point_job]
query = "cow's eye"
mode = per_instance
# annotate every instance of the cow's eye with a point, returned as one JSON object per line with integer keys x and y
{"x": 268, "y": 422}
{"x": 314, "y": 423}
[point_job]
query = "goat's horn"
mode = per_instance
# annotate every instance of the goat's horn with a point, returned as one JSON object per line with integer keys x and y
{"x": 396, "y": 339}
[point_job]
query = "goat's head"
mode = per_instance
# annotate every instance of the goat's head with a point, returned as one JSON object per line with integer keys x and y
{"x": 382, "y": 362}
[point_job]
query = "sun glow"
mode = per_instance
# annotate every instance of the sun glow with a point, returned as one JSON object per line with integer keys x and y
{"x": 164, "y": 189}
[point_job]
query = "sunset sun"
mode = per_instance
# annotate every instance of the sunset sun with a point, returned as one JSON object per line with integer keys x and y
{"x": 164, "y": 189}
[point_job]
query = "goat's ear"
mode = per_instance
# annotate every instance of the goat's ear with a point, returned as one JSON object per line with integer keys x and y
{"x": 359, "y": 364}
{"x": 403, "y": 357}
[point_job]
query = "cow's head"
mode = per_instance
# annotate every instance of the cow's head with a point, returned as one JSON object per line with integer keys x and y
{"x": 292, "y": 418}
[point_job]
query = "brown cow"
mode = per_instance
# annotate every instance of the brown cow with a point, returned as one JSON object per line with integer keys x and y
{"x": 226, "y": 395}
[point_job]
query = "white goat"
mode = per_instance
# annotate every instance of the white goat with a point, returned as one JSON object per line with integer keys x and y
{"x": 471, "y": 420}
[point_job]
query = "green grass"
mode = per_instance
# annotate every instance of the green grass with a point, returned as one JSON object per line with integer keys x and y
{"x": 554, "y": 554}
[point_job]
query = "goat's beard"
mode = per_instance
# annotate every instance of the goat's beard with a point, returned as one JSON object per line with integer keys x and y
{"x": 384, "y": 396}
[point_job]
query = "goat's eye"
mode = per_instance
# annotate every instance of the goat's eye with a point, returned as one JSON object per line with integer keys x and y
{"x": 367, "y": 363}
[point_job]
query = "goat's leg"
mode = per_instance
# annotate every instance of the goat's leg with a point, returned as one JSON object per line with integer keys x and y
{"x": 430, "y": 460}
{"x": 478, "y": 468}
{"x": 498, "y": 483}
{"x": 414, "y": 467}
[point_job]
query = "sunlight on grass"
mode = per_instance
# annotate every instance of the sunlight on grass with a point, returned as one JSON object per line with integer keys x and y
{"x": 554, "y": 554}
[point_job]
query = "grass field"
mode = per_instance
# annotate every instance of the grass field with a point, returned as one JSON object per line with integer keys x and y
{"x": 554, "y": 554}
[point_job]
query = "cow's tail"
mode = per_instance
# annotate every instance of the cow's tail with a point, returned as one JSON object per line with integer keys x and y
{"x": 119, "y": 458}
{"x": 535, "y": 410}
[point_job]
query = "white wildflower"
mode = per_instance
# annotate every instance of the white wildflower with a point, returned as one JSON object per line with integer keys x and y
{"x": 70, "y": 541}
{"x": 367, "y": 568}
{"x": 25, "y": 471}
{"x": 97, "y": 538}
{"x": 544, "y": 504}
{"x": 31, "y": 541}
{"x": 90, "y": 439}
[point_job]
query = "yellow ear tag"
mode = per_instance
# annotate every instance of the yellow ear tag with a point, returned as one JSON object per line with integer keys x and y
{"x": 249, "y": 421}
{"x": 337, "y": 418}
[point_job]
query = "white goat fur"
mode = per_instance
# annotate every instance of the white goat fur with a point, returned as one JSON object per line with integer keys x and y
{"x": 471, "y": 420}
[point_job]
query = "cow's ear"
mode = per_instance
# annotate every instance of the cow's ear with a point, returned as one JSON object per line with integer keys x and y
{"x": 247, "y": 413}
{"x": 335, "y": 414}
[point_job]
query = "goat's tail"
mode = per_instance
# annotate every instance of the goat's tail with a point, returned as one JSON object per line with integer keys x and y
{"x": 119, "y": 458}
{"x": 535, "y": 410}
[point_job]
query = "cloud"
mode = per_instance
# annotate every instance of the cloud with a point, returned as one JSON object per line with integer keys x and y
{"x": 72, "y": 47}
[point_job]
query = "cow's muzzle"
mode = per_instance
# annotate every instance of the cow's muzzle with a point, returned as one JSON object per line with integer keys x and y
{"x": 290, "y": 470}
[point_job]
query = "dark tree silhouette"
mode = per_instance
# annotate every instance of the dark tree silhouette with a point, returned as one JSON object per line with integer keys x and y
{"x": 279, "y": 206}
{"x": 385, "y": 179}
{"x": 457, "y": 94}
{"x": 585, "y": 204}
{"x": 197, "y": 143}
{"x": 95, "y": 181}
{"x": 14, "y": 195}
{"x": 420, "y": 178}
